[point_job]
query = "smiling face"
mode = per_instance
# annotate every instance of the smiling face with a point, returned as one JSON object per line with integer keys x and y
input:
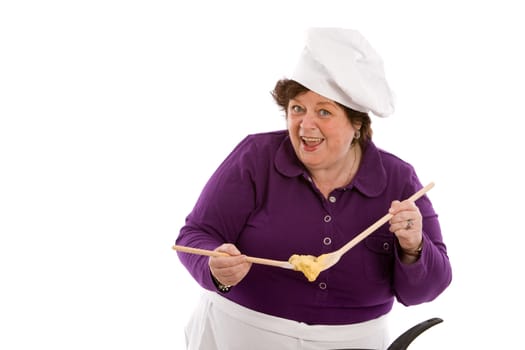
{"x": 320, "y": 131}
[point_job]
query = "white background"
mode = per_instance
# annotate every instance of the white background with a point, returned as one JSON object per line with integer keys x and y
{"x": 113, "y": 114}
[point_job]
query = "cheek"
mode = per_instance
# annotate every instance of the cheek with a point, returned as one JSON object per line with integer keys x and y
{"x": 293, "y": 132}
{"x": 342, "y": 139}
{"x": 292, "y": 124}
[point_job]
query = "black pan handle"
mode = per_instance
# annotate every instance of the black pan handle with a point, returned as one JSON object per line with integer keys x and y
{"x": 404, "y": 340}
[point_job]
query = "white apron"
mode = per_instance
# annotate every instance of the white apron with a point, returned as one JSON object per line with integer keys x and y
{"x": 219, "y": 324}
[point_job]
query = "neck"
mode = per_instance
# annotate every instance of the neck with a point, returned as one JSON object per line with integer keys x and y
{"x": 329, "y": 179}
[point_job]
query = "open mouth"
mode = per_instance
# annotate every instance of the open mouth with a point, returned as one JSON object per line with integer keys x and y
{"x": 312, "y": 141}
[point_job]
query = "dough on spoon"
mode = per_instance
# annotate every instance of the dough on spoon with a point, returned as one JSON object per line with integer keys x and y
{"x": 309, "y": 265}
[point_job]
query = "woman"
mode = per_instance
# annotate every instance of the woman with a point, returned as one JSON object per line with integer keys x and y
{"x": 309, "y": 190}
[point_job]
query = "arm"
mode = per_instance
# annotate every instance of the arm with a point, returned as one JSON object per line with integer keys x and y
{"x": 421, "y": 279}
{"x": 219, "y": 216}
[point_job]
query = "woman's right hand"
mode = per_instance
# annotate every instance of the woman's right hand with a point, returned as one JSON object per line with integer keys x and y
{"x": 229, "y": 270}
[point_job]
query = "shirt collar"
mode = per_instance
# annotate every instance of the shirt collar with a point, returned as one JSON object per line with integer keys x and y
{"x": 286, "y": 161}
{"x": 370, "y": 179}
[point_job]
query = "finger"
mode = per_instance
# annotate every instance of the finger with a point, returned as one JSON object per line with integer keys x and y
{"x": 403, "y": 217}
{"x": 398, "y": 206}
{"x": 231, "y": 275}
{"x": 406, "y": 222}
{"x": 222, "y": 262}
{"x": 228, "y": 248}
{"x": 394, "y": 207}
{"x": 406, "y": 210}
{"x": 401, "y": 227}
{"x": 406, "y": 206}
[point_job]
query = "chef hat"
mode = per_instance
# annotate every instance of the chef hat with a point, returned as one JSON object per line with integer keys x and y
{"x": 341, "y": 65}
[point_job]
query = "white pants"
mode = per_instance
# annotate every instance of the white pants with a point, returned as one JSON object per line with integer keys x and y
{"x": 219, "y": 324}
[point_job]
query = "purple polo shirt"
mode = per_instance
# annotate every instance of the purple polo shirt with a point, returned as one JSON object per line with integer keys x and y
{"x": 262, "y": 199}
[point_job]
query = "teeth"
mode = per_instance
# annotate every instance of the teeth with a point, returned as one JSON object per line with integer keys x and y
{"x": 312, "y": 139}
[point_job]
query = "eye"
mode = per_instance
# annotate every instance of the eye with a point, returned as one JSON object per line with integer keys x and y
{"x": 324, "y": 113}
{"x": 296, "y": 109}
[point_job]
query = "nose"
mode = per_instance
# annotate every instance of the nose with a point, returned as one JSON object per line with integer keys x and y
{"x": 308, "y": 121}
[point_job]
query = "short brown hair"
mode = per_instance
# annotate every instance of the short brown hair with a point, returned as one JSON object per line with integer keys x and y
{"x": 287, "y": 89}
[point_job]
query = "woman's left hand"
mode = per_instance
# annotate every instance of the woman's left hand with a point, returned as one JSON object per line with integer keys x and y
{"x": 406, "y": 224}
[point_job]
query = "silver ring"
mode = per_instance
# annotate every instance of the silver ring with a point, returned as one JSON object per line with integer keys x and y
{"x": 409, "y": 225}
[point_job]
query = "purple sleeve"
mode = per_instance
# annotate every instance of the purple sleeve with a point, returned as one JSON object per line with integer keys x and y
{"x": 428, "y": 277}
{"x": 220, "y": 213}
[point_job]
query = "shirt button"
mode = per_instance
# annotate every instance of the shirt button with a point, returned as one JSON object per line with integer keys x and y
{"x": 327, "y": 218}
{"x": 332, "y": 199}
{"x": 322, "y": 285}
{"x": 386, "y": 246}
{"x": 327, "y": 241}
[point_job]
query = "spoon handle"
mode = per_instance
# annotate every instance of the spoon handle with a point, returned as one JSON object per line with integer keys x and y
{"x": 381, "y": 221}
{"x": 198, "y": 251}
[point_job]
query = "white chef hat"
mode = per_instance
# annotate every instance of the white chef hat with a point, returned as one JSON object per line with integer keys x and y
{"x": 341, "y": 65}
